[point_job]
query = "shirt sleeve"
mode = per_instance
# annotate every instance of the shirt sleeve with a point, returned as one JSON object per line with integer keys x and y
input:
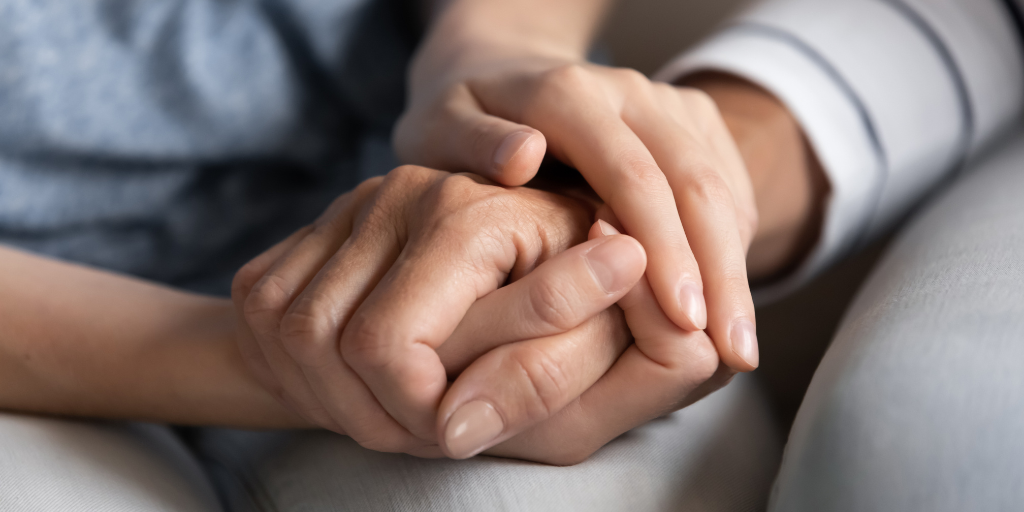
{"x": 893, "y": 96}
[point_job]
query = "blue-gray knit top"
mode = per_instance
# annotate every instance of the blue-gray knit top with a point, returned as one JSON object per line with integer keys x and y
{"x": 175, "y": 139}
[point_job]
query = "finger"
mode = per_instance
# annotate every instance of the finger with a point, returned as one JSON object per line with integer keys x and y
{"x": 664, "y": 370}
{"x": 452, "y": 260}
{"x": 269, "y": 299}
{"x": 462, "y": 137}
{"x": 554, "y": 298}
{"x": 263, "y": 311}
{"x": 583, "y": 125}
{"x": 353, "y": 406}
{"x": 241, "y": 286}
{"x": 658, "y": 374}
{"x": 337, "y": 280}
{"x": 311, "y": 327}
{"x": 518, "y": 385}
{"x": 696, "y": 108}
{"x": 696, "y": 172}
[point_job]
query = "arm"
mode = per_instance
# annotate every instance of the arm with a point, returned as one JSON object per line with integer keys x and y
{"x": 84, "y": 342}
{"x": 543, "y": 368}
{"x": 891, "y": 97}
{"x": 565, "y": 28}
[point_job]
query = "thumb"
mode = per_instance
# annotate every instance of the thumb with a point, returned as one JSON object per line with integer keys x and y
{"x": 460, "y": 136}
{"x": 519, "y": 384}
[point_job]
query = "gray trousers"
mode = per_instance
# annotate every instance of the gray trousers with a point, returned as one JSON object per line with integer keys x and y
{"x": 917, "y": 405}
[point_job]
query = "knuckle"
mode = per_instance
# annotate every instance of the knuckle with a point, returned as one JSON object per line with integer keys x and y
{"x": 667, "y": 98}
{"x": 689, "y": 363}
{"x": 701, "y": 363}
{"x": 455, "y": 189}
{"x": 663, "y": 89}
{"x": 705, "y": 186}
{"x": 405, "y": 173}
{"x": 700, "y": 101}
{"x": 464, "y": 206}
{"x": 546, "y": 379}
{"x": 734, "y": 275}
{"x": 362, "y": 344}
{"x": 400, "y": 180}
{"x": 306, "y": 330}
{"x": 332, "y": 218}
{"x": 641, "y": 173}
{"x": 633, "y": 78}
{"x": 705, "y": 362}
{"x": 367, "y": 188}
{"x": 245, "y": 279}
{"x": 552, "y": 306}
{"x": 269, "y": 298}
{"x": 565, "y": 79}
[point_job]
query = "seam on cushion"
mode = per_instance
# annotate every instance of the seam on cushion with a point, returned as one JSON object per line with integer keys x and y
{"x": 257, "y": 493}
{"x": 1017, "y": 17}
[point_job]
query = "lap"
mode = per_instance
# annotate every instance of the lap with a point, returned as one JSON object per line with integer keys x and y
{"x": 719, "y": 454}
{"x": 53, "y": 464}
{"x": 919, "y": 401}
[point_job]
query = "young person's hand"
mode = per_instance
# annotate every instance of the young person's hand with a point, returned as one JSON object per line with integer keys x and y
{"x": 350, "y": 321}
{"x": 665, "y": 369}
{"x": 491, "y": 92}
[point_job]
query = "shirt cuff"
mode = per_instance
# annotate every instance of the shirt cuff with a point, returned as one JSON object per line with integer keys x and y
{"x": 834, "y": 125}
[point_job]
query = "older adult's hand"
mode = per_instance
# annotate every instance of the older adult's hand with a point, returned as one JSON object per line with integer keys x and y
{"x": 341, "y": 320}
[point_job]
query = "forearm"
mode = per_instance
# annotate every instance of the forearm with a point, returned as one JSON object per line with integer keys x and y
{"x": 473, "y": 29}
{"x": 82, "y": 342}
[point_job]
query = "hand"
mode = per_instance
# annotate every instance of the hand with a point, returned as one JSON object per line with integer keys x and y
{"x": 667, "y": 368}
{"x": 344, "y": 321}
{"x": 790, "y": 187}
{"x": 659, "y": 155}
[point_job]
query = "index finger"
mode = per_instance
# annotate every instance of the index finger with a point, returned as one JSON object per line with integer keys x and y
{"x": 583, "y": 124}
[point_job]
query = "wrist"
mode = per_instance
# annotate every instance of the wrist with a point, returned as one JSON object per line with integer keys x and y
{"x": 121, "y": 348}
{"x": 469, "y": 33}
{"x": 203, "y": 367}
{"x": 789, "y": 184}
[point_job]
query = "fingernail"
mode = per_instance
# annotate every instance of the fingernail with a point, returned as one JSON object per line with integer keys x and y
{"x": 472, "y": 428}
{"x": 508, "y": 149}
{"x": 744, "y": 342}
{"x": 609, "y": 262}
{"x": 692, "y": 302}
{"x": 606, "y": 229}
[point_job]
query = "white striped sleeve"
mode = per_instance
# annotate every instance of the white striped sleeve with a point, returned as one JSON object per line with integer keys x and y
{"x": 892, "y": 95}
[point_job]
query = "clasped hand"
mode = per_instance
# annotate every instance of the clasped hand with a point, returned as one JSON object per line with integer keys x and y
{"x": 660, "y": 156}
{"x": 359, "y": 321}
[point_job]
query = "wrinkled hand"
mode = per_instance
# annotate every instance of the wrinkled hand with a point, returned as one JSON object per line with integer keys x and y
{"x": 659, "y": 155}
{"x": 352, "y": 322}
